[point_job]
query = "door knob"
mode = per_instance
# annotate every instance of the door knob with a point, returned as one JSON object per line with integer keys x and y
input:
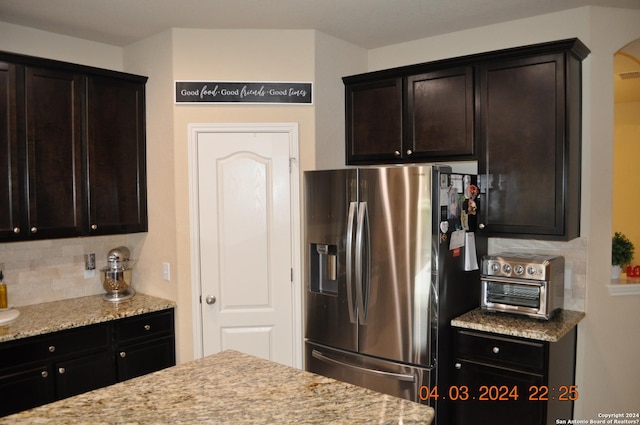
{"x": 211, "y": 299}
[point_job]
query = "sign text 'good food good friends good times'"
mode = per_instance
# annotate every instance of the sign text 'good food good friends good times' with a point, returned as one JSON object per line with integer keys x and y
{"x": 292, "y": 93}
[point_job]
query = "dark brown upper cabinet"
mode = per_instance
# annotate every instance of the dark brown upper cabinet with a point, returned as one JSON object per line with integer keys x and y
{"x": 530, "y": 142}
{"x": 53, "y": 156}
{"x": 9, "y": 187}
{"x": 116, "y": 156}
{"x": 73, "y": 150}
{"x": 516, "y": 111}
{"x": 410, "y": 118}
{"x": 374, "y": 121}
{"x": 440, "y": 115}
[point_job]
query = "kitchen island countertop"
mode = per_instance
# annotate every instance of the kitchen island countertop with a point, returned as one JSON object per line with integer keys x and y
{"x": 520, "y": 326}
{"x": 229, "y": 388}
{"x": 39, "y": 319}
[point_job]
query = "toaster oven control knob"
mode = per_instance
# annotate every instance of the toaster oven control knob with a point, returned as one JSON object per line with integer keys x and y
{"x": 519, "y": 269}
{"x": 506, "y": 268}
{"x": 532, "y": 270}
{"x": 495, "y": 267}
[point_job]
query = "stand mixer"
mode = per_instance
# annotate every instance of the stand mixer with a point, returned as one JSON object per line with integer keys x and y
{"x": 116, "y": 277}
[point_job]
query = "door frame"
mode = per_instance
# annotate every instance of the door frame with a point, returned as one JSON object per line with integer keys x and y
{"x": 194, "y": 130}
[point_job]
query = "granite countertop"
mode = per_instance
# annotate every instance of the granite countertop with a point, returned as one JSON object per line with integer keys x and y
{"x": 520, "y": 326}
{"x": 229, "y": 388}
{"x": 55, "y": 316}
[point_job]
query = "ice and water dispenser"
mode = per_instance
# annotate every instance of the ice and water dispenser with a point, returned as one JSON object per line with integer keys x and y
{"x": 323, "y": 268}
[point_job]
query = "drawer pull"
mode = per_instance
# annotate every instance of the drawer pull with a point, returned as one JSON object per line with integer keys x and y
{"x": 61, "y": 370}
{"x": 496, "y": 350}
{"x": 123, "y": 354}
{"x": 458, "y": 366}
{"x": 147, "y": 327}
{"x": 44, "y": 373}
{"x": 52, "y": 348}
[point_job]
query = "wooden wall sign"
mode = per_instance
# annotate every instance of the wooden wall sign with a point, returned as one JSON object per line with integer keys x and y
{"x": 289, "y": 93}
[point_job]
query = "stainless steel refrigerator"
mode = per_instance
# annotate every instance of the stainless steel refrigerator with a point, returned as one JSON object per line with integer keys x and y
{"x": 386, "y": 273}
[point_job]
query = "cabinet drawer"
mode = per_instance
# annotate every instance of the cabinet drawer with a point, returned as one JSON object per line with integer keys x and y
{"x": 144, "y": 326}
{"x": 500, "y": 350}
{"x": 50, "y": 346}
{"x": 77, "y": 341}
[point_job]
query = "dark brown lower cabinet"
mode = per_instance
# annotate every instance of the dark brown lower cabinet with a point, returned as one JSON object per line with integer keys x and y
{"x": 79, "y": 375}
{"x": 24, "y": 388}
{"x": 45, "y": 368}
{"x": 508, "y": 380}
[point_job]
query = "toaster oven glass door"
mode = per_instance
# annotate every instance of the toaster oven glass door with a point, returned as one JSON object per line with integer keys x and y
{"x": 513, "y": 293}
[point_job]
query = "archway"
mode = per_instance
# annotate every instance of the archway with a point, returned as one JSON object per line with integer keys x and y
{"x": 626, "y": 178}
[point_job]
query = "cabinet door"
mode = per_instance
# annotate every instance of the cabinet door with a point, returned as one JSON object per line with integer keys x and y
{"x": 54, "y": 128}
{"x": 84, "y": 374}
{"x": 484, "y": 385}
{"x": 374, "y": 122}
{"x": 527, "y": 156}
{"x": 10, "y": 225}
{"x": 25, "y": 388}
{"x": 140, "y": 359}
{"x": 440, "y": 115}
{"x": 116, "y": 156}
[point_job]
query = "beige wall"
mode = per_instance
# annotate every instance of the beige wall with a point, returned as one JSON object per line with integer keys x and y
{"x": 334, "y": 59}
{"x": 606, "y": 340}
{"x": 27, "y": 41}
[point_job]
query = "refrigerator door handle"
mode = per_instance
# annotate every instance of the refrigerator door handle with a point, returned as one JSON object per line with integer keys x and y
{"x": 380, "y": 373}
{"x": 363, "y": 261}
{"x": 353, "y": 207}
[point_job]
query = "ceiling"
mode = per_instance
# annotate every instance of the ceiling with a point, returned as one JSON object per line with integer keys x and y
{"x": 365, "y": 23}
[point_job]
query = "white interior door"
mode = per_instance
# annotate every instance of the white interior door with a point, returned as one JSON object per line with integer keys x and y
{"x": 245, "y": 243}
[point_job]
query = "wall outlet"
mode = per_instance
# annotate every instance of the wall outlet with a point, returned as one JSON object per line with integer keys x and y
{"x": 166, "y": 271}
{"x": 90, "y": 261}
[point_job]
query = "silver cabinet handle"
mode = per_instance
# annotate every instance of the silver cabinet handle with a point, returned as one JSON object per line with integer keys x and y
{"x": 123, "y": 354}
{"x": 52, "y": 348}
{"x": 61, "y": 370}
{"x": 496, "y": 350}
{"x": 481, "y": 225}
{"x": 458, "y": 366}
{"x": 211, "y": 299}
{"x": 44, "y": 373}
{"x": 94, "y": 227}
{"x": 409, "y": 151}
{"x": 396, "y": 153}
{"x": 34, "y": 229}
{"x": 16, "y": 230}
{"x": 147, "y": 327}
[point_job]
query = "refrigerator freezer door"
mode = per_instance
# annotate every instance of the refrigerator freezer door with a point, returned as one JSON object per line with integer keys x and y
{"x": 399, "y": 300}
{"x": 330, "y": 214}
{"x": 383, "y": 376}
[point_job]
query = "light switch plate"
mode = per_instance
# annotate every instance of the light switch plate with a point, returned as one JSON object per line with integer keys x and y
{"x": 166, "y": 271}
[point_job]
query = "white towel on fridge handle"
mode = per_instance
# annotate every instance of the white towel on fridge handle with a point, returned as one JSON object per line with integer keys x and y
{"x": 470, "y": 256}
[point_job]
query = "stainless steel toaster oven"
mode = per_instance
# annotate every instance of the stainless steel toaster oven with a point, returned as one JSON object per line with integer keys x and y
{"x": 526, "y": 284}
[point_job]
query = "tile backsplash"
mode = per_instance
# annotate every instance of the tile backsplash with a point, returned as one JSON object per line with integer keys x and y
{"x": 52, "y": 270}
